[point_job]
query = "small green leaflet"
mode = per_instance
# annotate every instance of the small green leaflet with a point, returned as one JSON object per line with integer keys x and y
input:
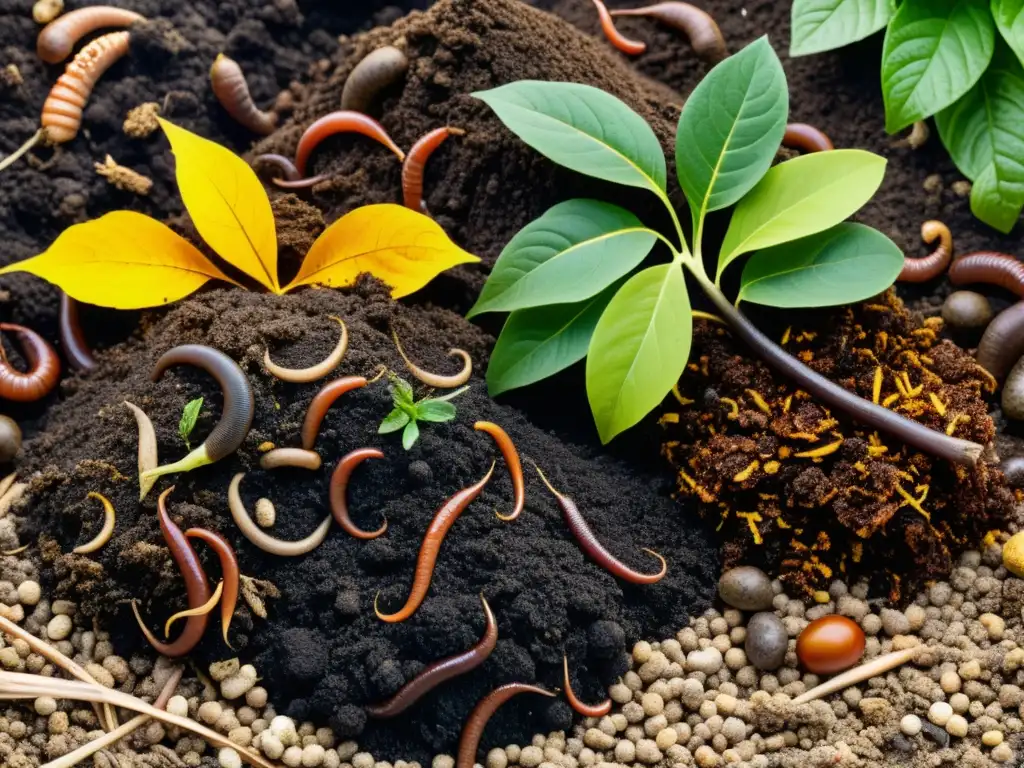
{"x": 189, "y": 416}
{"x": 406, "y": 413}
{"x": 575, "y": 250}
{"x": 394, "y": 421}
{"x": 582, "y": 128}
{"x": 1009, "y": 16}
{"x": 410, "y": 435}
{"x": 435, "y": 410}
{"x": 847, "y": 263}
{"x": 822, "y": 25}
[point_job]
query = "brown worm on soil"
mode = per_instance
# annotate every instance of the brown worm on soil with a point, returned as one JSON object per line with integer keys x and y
{"x": 281, "y": 163}
{"x": 377, "y": 71}
{"x": 106, "y": 531}
{"x": 44, "y": 367}
{"x": 232, "y": 92}
{"x": 57, "y": 39}
{"x": 230, "y": 573}
{"x": 321, "y": 403}
{"x": 147, "y": 448}
{"x": 416, "y": 160}
{"x": 515, "y": 466}
{"x": 591, "y": 546}
{"x": 702, "y": 30}
{"x": 587, "y": 710}
{"x": 806, "y": 138}
{"x": 469, "y": 741}
{"x": 991, "y": 268}
{"x": 344, "y": 121}
{"x": 441, "y": 671}
{"x": 436, "y": 379}
{"x": 439, "y": 526}
{"x": 290, "y": 457}
{"x": 929, "y": 267}
{"x": 616, "y": 38}
{"x": 264, "y": 541}
{"x": 339, "y": 492}
{"x": 306, "y": 183}
{"x": 72, "y": 340}
{"x": 313, "y": 372}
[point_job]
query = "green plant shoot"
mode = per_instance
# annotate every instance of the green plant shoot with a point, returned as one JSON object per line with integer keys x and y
{"x": 189, "y": 416}
{"x": 407, "y": 412}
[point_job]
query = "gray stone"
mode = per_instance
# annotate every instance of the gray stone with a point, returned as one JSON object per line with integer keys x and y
{"x": 767, "y": 641}
{"x": 747, "y": 588}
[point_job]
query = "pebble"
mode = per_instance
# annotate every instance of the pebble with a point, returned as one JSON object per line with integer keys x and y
{"x": 60, "y": 627}
{"x": 229, "y": 758}
{"x": 940, "y": 712}
{"x": 767, "y": 641}
{"x": 910, "y": 725}
{"x": 747, "y": 588}
{"x": 1013, "y": 554}
{"x": 708, "y": 661}
{"x": 29, "y": 592}
{"x": 992, "y": 738}
{"x": 265, "y": 513}
{"x": 956, "y": 726}
{"x": 1002, "y": 753}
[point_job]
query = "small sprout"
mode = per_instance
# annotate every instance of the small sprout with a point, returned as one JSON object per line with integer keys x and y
{"x": 189, "y": 416}
{"x": 408, "y": 412}
{"x": 123, "y": 177}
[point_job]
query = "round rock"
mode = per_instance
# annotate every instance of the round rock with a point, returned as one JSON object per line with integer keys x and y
{"x": 966, "y": 309}
{"x": 747, "y": 588}
{"x": 767, "y": 641}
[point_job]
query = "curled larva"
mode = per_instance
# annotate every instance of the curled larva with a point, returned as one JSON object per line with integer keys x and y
{"x": 376, "y": 72}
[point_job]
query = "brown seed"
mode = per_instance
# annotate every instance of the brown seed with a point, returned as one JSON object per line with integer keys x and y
{"x": 830, "y": 644}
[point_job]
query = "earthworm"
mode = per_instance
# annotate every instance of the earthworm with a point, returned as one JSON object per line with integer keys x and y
{"x": 441, "y": 671}
{"x": 439, "y": 526}
{"x": 321, "y": 402}
{"x": 147, "y": 448}
{"x": 76, "y": 350}
{"x": 282, "y": 163}
{"x": 43, "y": 372}
{"x": 616, "y": 38}
{"x": 923, "y": 270}
{"x": 339, "y": 488}
{"x": 313, "y": 372}
{"x": 377, "y": 70}
{"x": 589, "y": 544}
{"x": 1012, "y": 399}
{"x": 57, "y": 39}
{"x": 412, "y": 169}
{"x": 806, "y": 138}
{"x": 991, "y": 268}
{"x": 702, "y": 30}
{"x": 469, "y": 741}
{"x": 196, "y": 586}
{"x": 265, "y": 541}
{"x": 587, "y": 710}
{"x": 344, "y": 121}
{"x": 232, "y": 92}
{"x": 230, "y": 573}
{"x": 866, "y": 671}
{"x": 290, "y": 457}
{"x": 202, "y": 610}
{"x": 103, "y": 536}
{"x": 238, "y": 405}
{"x": 297, "y": 183}
{"x": 515, "y": 467}
{"x": 435, "y": 379}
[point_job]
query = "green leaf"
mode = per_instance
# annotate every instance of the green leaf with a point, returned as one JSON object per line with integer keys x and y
{"x": 572, "y": 252}
{"x": 401, "y": 392}
{"x": 639, "y": 348}
{"x": 410, "y": 435}
{"x": 935, "y": 50}
{"x": 984, "y": 133}
{"x": 540, "y": 342}
{"x": 435, "y": 410}
{"x": 799, "y": 197}
{"x": 848, "y": 263}
{"x": 188, "y": 419}
{"x": 582, "y": 128}
{"x": 822, "y": 25}
{"x": 1009, "y": 16}
{"x": 731, "y": 128}
{"x": 393, "y": 422}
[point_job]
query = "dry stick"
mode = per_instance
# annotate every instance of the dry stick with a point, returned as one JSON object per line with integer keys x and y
{"x": 859, "y": 674}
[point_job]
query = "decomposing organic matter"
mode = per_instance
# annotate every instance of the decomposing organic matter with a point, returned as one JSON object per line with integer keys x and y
{"x": 231, "y": 90}
{"x": 43, "y": 372}
{"x": 586, "y": 710}
{"x": 229, "y": 570}
{"x": 412, "y": 168}
{"x": 375, "y": 73}
{"x": 101, "y": 538}
{"x": 339, "y": 492}
{"x": 313, "y": 372}
{"x": 698, "y": 26}
{"x": 616, "y": 38}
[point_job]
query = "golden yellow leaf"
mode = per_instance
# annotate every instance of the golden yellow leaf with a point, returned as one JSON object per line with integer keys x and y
{"x": 227, "y": 204}
{"x": 124, "y": 260}
{"x": 401, "y": 247}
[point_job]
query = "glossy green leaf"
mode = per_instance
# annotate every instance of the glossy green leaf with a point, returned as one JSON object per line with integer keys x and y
{"x": 435, "y": 410}
{"x": 847, "y": 263}
{"x": 639, "y": 348}
{"x": 935, "y": 50}
{"x": 393, "y": 422}
{"x": 802, "y": 196}
{"x": 540, "y": 342}
{"x": 572, "y": 252}
{"x": 582, "y": 128}
{"x": 731, "y": 128}
{"x": 189, "y": 416}
{"x": 822, "y": 25}
{"x": 1009, "y": 16}
{"x": 410, "y": 435}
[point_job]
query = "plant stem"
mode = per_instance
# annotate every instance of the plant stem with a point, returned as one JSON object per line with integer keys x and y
{"x": 683, "y": 248}
{"x": 910, "y": 432}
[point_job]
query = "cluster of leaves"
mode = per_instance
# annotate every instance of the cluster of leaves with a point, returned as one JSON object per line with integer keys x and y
{"x": 957, "y": 60}
{"x": 408, "y": 412}
{"x": 127, "y": 260}
{"x": 189, "y": 416}
{"x": 569, "y": 280}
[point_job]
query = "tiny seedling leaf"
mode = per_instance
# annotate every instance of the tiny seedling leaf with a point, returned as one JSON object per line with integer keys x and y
{"x": 1009, "y": 16}
{"x": 434, "y": 410}
{"x": 401, "y": 392}
{"x": 393, "y": 422}
{"x": 822, "y": 25}
{"x": 189, "y": 415}
{"x": 410, "y": 434}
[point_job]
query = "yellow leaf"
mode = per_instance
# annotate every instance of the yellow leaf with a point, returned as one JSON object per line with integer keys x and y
{"x": 227, "y": 204}
{"x": 123, "y": 260}
{"x": 401, "y": 247}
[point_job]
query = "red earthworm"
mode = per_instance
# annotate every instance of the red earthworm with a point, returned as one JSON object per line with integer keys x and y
{"x": 281, "y": 163}
{"x": 1002, "y": 344}
{"x": 339, "y": 487}
{"x": 515, "y": 467}
{"x": 229, "y": 573}
{"x": 343, "y": 121}
{"x": 290, "y": 457}
{"x": 587, "y": 710}
{"x": 322, "y": 401}
{"x": 702, "y": 30}
{"x": 72, "y": 340}
{"x": 439, "y": 526}
{"x": 58, "y": 38}
{"x": 929, "y": 267}
{"x": 373, "y": 74}
{"x": 232, "y": 92}
{"x": 441, "y": 671}
{"x": 588, "y": 542}
{"x": 313, "y": 372}
{"x": 469, "y": 741}
{"x": 616, "y": 38}
{"x": 196, "y": 586}
{"x": 306, "y": 183}
{"x": 412, "y": 169}
{"x": 806, "y": 138}
{"x": 43, "y": 363}
{"x": 989, "y": 267}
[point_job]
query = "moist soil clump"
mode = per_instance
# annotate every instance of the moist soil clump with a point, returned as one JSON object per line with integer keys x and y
{"x": 323, "y": 652}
